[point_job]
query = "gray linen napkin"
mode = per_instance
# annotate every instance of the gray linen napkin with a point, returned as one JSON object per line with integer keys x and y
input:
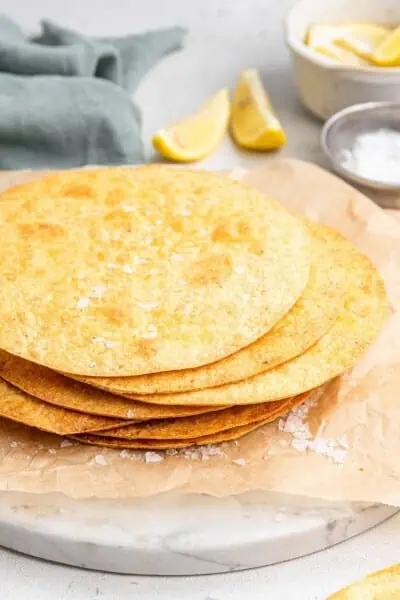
{"x": 64, "y": 97}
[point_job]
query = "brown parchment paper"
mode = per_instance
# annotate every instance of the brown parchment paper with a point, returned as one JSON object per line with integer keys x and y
{"x": 363, "y": 406}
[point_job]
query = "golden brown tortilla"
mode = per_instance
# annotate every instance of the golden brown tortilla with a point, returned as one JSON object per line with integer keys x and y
{"x": 313, "y": 314}
{"x": 152, "y": 444}
{"x": 22, "y": 408}
{"x": 202, "y": 425}
{"x": 50, "y": 386}
{"x": 338, "y": 350}
{"x": 118, "y": 271}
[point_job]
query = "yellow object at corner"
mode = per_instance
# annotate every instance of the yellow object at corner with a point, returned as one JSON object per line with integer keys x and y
{"x": 254, "y": 124}
{"x": 388, "y": 52}
{"x": 197, "y": 135}
{"x": 382, "y": 585}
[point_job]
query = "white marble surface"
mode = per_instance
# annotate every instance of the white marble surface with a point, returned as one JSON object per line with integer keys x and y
{"x": 225, "y": 36}
{"x": 175, "y": 534}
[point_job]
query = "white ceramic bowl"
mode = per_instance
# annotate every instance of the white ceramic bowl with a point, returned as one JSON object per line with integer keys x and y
{"x": 324, "y": 86}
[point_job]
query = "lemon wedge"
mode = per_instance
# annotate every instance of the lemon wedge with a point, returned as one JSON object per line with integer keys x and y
{"x": 254, "y": 124}
{"x": 341, "y": 55}
{"x": 352, "y": 44}
{"x": 362, "y": 39}
{"x": 387, "y": 53}
{"x": 195, "y": 136}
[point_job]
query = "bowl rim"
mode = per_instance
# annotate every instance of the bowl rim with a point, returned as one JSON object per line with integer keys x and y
{"x": 298, "y": 46}
{"x": 338, "y": 116}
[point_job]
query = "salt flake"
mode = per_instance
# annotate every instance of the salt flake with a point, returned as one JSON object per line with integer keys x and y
{"x": 107, "y": 343}
{"x": 239, "y": 270}
{"x": 171, "y": 452}
{"x": 66, "y": 444}
{"x": 83, "y": 303}
{"x": 127, "y": 207}
{"x": 239, "y": 461}
{"x": 97, "y": 291}
{"x": 152, "y": 457}
{"x": 151, "y": 332}
{"x": 147, "y": 305}
{"x": 101, "y": 460}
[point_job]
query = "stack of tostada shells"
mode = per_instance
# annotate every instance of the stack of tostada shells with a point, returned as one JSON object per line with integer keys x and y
{"x": 154, "y": 307}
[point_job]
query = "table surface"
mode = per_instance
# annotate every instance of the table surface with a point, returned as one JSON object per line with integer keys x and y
{"x": 225, "y": 37}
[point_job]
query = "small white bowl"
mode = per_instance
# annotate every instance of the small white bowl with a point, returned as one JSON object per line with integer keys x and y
{"x": 341, "y": 131}
{"x": 324, "y": 86}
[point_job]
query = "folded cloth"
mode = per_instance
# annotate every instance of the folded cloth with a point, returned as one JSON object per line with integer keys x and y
{"x": 65, "y": 97}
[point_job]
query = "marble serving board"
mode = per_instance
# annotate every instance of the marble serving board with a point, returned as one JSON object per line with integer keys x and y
{"x": 177, "y": 534}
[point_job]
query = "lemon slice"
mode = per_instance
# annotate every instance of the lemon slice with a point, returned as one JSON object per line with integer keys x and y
{"x": 387, "y": 53}
{"x": 195, "y": 136}
{"x": 254, "y": 124}
{"x": 382, "y": 585}
{"x": 352, "y": 44}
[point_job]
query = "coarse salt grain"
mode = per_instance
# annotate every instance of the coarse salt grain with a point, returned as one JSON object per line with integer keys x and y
{"x": 52, "y": 451}
{"x": 97, "y": 291}
{"x": 148, "y": 305}
{"x": 151, "y": 332}
{"x": 239, "y": 270}
{"x": 127, "y": 269}
{"x": 239, "y": 461}
{"x": 66, "y": 444}
{"x": 300, "y": 445}
{"x": 83, "y": 303}
{"x": 152, "y": 457}
{"x": 202, "y": 452}
{"x": 130, "y": 413}
{"x": 13, "y": 444}
{"x": 302, "y": 440}
{"x": 374, "y": 155}
{"x": 138, "y": 260}
{"x": 107, "y": 343}
{"x": 127, "y": 207}
{"x": 101, "y": 460}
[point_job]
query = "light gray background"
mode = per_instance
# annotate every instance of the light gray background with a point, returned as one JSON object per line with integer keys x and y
{"x": 225, "y": 36}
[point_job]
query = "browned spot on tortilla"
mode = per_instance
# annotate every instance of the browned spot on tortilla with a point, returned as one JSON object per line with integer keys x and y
{"x": 213, "y": 268}
{"x": 41, "y": 229}
{"x": 78, "y": 190}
